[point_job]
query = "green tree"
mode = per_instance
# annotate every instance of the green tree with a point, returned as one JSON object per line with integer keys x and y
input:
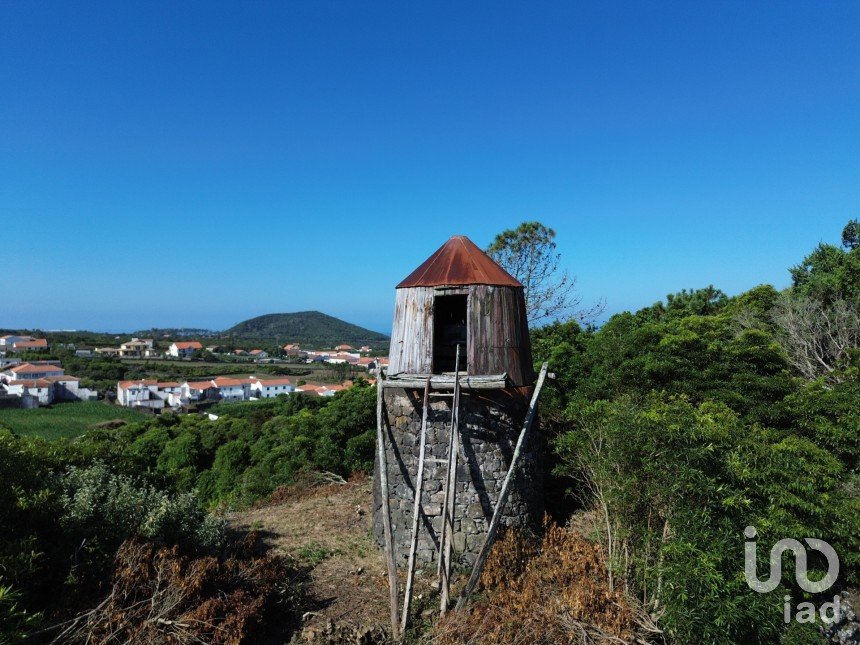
{"x": 529, "y": 253}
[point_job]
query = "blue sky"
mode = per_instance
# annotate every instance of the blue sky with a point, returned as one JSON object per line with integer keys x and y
{"x": 196, "y": 164}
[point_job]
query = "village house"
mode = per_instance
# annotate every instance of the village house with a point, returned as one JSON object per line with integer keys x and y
{"x": 199, "y": 390}
{"x": 232, "y": 389}
{"x": 8, "y": 362}
{"x": 148, "y": 394}
{"x": 44, "y": 383}
{"x": 107, "y": 352}
{"x": 41, "y": 391}
{"x": 343, "y": 357}
{"x": 8, "y": 340}
{"x": 32, "y": 345}
{"x": 33, "y": 371}
{"x": 184, "y": 348}
{"x": 136, "y": 348}
{"x": 12, "y": 343}
{"x": 270, "y": 388}
{"x": 344, "y": 348}
{"x": 258, "y": 353}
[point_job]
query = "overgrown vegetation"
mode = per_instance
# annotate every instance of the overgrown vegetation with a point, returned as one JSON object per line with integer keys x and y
{"x": 685, "y": 422}
{"x": 69, "y": 507}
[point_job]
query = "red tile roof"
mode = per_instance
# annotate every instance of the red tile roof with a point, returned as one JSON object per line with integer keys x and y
{"x": 36, "y": 342}
{"x": 27, "y": 368}
{"x": 190, "y": 344}
{"x": 31, "y": 382}
{"x": 275, "y": 381}
{"x": 459, "y": 261}
{"x": 140, "y": 383}
{"x": 200, "y": 385}
{"x": 224, "y": 381}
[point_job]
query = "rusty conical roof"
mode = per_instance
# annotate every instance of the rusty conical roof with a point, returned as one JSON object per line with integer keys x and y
{"x": 459, "y": 261}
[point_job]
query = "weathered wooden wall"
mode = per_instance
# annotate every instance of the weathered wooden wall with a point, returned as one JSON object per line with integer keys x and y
{"x": 498, "y": 338}
{"x": 411, "y": 349}
{"x": 499, "y": 334}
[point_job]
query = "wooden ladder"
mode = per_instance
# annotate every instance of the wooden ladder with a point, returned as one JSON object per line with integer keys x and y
{"x": 449, "y": 494}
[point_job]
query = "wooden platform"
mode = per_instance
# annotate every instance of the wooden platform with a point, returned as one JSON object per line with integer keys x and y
{"x": 446, "y": 381}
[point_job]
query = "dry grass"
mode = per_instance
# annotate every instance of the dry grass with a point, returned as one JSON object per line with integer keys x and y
{"x": 549, "y": 590}
{"x": 160, "y": 596}
{"x": 328, "y": 529}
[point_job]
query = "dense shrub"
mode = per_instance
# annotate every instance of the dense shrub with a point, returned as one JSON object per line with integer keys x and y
{"x": 103, "y": 509}
{"x": 240, "y": 458}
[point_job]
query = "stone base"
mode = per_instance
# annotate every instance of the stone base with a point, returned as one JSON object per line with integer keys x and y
{"x": 490, "y": 423}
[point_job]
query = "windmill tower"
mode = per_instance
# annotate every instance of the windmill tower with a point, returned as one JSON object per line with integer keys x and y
{"x": 457, "y": 391}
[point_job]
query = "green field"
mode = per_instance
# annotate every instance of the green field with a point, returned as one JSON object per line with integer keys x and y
{"x": 64, "y": 420}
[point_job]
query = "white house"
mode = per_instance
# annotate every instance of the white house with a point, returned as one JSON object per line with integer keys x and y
{"x": 136, "y": 348}
{"x": 258, "y": 353}
{"x": 7, "y": 341}
{"x": 197, "y": 390}
{"x": 29, "y": 371}
{"x": 148, "y": 394}
{"x": 184, "y": 349}
{"x": 47, "y": 390}
{"x": 330, "y": 390}
{"x": 30, "y": 345}
{"x": 42, "y": 390}
{"x": 270, "y": 388}
{"x": 8, "y": 362}
{"x": 232, "y": 389}
{"x": 68, "y": 388}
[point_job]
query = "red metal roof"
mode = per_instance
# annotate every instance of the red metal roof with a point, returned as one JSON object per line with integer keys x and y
{"x": 459, "y": 261}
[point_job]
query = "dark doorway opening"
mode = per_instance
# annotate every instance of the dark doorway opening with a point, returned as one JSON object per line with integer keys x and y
{"x": 449, "y": 330}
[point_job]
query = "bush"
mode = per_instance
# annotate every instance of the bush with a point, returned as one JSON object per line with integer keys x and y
{"x": 676, "y": 483}
{"x": 101, "y": 509}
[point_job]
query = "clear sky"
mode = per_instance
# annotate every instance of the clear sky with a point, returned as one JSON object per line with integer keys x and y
{"x": 196, "y": 164}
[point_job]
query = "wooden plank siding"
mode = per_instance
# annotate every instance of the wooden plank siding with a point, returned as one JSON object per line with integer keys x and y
{"x": 498, "y": 334}
{"x": 411, "y": 349}
{"x": 497, "y": 329}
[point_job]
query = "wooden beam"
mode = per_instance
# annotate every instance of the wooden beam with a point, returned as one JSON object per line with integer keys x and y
{"x": 450, "y": 495}
{"x": 503, "y": 496}
{"x": 416, "y": 511}
{"x": 386, "y": 511}
{"x": 446, "y": 381}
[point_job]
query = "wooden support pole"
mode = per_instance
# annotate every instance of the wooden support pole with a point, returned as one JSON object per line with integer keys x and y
{"x": 503, "y": 496}
{"x": 416, "y": 511}
{"x": 444, "y": 572}
{"x": 386, "y": 512}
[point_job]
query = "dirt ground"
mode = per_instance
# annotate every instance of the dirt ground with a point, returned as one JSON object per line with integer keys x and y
{"x": 328, "y": 530}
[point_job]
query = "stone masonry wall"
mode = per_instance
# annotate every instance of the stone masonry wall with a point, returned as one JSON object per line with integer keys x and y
{"x": 489, "y": 427}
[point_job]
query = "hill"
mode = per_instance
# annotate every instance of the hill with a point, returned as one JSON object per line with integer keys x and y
{"x": 306, "y": 327}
